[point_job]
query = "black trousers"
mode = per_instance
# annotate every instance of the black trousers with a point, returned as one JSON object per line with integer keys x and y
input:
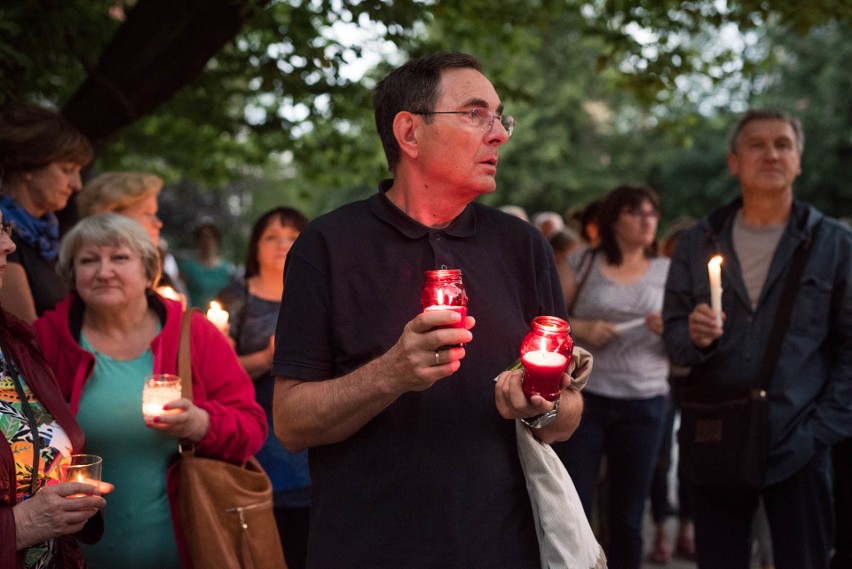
{"x": 800, "y": 513}
{"x": 842, "y": 455}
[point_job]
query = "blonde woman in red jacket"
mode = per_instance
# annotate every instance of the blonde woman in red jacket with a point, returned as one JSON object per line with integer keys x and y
{"x": 102, "y": 341}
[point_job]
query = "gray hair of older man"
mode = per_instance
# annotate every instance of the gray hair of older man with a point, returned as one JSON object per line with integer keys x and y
{"x": 107, "y": 230}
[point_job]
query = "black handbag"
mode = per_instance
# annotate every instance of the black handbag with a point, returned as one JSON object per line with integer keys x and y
{"x": 726, "y": 443}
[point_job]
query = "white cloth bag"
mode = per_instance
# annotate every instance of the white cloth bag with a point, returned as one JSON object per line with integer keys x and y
{"x": 565, "y": 538}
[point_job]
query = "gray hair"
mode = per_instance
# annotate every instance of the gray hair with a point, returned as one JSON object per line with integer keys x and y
{"x": 107, "y": 230}
{"x": 765, "y": 115}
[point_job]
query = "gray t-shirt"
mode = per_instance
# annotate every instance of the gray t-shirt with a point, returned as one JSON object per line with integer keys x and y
{"x": 755, "y": 246}
{"x": 634, "y": 364}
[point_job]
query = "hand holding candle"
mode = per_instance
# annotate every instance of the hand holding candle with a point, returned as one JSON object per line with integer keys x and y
{"x": 714, "y": 269}
{"x": 218, "y": 317}
{"x": 545, "y": 353}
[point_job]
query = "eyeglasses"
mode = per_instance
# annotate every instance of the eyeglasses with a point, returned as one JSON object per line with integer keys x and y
{"x": 482, "y": 118}
{"x": 8, "y": 228}
{"x": 637, "y": 213}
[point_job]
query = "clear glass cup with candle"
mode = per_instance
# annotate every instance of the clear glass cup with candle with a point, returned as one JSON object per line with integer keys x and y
{"x": 84, "y": 468}
{"x": 160, "y": 388}
{"x": 546, "y": 351}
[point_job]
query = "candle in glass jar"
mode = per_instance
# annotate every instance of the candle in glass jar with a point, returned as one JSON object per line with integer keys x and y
{"x": 546, "y": 351}
{"x": 462, "y": 310}
{"x": 714, "y": 270}
{"x": 218, "y": 316}
{"x": 443, "y": 289}
{"x": 84, "y": 468}
{"x": 159, "y": 390}
{"x": 543, "y": 373}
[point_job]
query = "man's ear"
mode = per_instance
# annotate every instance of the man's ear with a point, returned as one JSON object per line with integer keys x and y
{"x": 733, "y": 164}
{"x": 405, "y": 129}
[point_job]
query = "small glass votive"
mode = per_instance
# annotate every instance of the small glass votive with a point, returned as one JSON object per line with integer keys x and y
{"x": 85, "y": 468}
{"x": 443, "y": 289}
{"x": 545, "y": 353}
{"x": 160, "y": 389}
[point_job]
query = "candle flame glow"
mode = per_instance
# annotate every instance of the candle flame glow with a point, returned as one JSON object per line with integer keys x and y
{"x": 168, "y": 292}
{"x": 218, "y": 316}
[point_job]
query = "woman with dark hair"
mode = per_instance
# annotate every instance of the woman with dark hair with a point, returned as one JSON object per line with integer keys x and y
{"x": 615, "y": 297}
{"x": 254, "y": 306}
{"x": 41, "y": 155}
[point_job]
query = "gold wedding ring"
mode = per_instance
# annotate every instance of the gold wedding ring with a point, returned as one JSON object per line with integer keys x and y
{"x": 437, "y": 358}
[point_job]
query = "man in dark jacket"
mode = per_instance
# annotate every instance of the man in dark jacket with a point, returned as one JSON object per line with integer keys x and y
{"x": 810, "y": 393}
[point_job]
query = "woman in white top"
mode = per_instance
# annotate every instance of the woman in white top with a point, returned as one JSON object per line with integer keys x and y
{"x": 615, "y": 297}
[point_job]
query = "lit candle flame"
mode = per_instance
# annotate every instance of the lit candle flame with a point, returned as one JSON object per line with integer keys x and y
{"x": 168, "y": 292}
{"x": 218, "y": 316}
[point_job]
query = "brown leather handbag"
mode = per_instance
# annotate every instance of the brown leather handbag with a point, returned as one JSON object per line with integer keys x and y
{"x": 226, "y": 509}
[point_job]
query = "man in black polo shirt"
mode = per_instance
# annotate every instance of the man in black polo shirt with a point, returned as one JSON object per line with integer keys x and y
{"x": 412, "y": 450}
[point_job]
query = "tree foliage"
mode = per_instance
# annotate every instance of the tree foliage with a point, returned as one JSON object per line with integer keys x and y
{"x": 251, "y": 99}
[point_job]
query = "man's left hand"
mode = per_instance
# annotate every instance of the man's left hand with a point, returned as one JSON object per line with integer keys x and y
{"x": 513, "y": 404}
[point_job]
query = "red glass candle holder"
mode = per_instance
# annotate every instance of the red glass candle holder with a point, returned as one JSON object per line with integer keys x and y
{"x": 545, "y": 353}
{"x": 444, "y": 290}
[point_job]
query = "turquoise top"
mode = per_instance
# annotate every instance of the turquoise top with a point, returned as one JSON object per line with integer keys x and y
{"x": 204, "y": 282}
{"x": 138, "y": 529}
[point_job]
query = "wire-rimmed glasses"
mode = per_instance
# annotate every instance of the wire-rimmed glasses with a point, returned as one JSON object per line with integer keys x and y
{"x": 481, "y": 117}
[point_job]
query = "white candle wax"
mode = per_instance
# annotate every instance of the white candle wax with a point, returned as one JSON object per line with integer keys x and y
{"x": 154, "y": 398}
{"x": 545, "y": 359}
{"x": 714, "y": 270}
{"x": 218, "y": 316}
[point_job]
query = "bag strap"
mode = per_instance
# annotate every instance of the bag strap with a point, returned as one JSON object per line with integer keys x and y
{"x": 785, "y": 305}
{"x": 590, "y": 255}
{"x": 184, "y": 368}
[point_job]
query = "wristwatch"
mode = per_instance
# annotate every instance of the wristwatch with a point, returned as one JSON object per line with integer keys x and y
{"x": 544, "y": 419}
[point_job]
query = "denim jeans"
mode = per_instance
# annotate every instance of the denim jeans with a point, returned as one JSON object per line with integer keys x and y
{"x": 627, "y": 432}
{"x": 800, "y": 514}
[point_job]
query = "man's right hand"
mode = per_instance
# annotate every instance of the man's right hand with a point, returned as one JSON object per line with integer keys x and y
{"x": 421, "y": 357}
{"x": 313, "y": 413}
{"x": 703, "y": 328}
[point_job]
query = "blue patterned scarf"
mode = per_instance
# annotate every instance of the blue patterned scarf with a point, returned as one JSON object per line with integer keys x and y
{"x": 40, "y": 233}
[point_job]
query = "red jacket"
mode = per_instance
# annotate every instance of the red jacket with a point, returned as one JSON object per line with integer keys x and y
{"x": 220, "y": 385}
{"x": 18, "y": 339}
